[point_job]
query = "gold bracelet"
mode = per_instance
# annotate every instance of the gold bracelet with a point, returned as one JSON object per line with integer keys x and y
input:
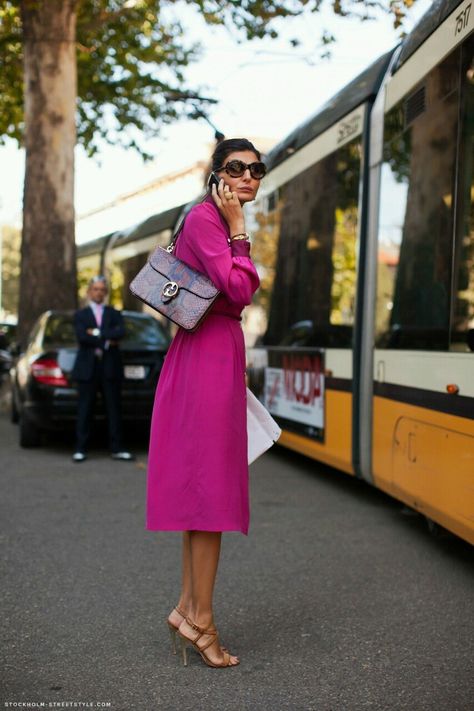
{"x": 241, "y": 235}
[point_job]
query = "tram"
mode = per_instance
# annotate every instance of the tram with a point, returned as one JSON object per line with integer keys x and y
{"x": 364, "y": 240}
{"x": 360, "y": 340}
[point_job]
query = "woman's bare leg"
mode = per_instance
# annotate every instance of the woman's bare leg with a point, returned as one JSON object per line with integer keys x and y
{"x": 186, "y": 583}
{"x": 185, "y": 599}
{"x": 205, "y": 550}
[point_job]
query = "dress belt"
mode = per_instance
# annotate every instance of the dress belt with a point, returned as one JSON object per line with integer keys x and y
{"x": 221, "y": 313}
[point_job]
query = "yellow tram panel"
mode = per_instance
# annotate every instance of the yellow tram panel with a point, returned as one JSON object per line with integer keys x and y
{"x": 336, "y": 450}
{"x": 426, "y": 459}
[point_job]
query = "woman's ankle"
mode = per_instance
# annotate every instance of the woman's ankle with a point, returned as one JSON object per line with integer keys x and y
{"x": 203, "y": 618}
{"x": 184, "y": 605}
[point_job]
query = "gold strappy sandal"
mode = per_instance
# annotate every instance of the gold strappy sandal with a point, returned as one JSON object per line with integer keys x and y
{"x": 173, "y": 630}
{"x": 210, "y": 632}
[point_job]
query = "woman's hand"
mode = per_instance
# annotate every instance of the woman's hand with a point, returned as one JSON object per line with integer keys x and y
{"x": 229, "y": 207}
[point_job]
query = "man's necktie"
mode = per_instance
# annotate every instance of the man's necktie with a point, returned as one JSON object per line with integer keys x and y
{"x": 98, "y": 319}
{"x": 98, "y": 315}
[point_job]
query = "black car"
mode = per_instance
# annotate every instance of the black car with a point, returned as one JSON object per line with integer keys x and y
{"x": 44, "y": 398}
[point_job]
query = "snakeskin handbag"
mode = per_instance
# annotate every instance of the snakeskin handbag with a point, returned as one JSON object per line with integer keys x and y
{"x": 174, "y": 289}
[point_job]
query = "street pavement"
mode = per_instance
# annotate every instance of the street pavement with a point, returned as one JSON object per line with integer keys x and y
{"x": 338, "y": 600}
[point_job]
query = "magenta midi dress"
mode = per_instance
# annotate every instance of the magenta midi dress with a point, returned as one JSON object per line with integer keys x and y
{"x": 197, "y": 465}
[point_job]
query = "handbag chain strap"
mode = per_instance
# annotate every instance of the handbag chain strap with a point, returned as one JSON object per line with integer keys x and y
{"x": 174, "y": 239}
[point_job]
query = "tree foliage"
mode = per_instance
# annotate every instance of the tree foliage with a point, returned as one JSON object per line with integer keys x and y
{"x": 132, "y": 54}
{"x": 10, "y": 238}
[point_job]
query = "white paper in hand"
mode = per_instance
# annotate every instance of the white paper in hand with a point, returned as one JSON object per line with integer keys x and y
{"x": 262, "y": 430}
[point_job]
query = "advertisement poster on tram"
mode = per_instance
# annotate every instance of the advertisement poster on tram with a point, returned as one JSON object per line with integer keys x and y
{"x": 294, "y": 391}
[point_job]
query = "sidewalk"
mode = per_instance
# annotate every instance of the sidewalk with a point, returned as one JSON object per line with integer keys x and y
{"x": 336, "y": 601}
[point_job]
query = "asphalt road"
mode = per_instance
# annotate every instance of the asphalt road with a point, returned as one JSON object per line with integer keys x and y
{"x": 339, "y": 599}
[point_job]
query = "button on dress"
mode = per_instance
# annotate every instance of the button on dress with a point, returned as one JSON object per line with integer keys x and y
{"x": 197, "y": 464}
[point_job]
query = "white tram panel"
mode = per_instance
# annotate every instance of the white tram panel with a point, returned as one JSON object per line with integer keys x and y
{"x": 142, "y": 246}
{"x": 339, "y": 362}
{"x": 425, "y": 370}
{"x": 323, "y": 145}
{"x": 452, "y": 32}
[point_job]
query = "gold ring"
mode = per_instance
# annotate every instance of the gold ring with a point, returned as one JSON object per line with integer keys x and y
{"x": 229, "y": 196}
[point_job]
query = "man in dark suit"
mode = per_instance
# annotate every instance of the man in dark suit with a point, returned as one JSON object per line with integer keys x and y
{"x": 98, "y": 366}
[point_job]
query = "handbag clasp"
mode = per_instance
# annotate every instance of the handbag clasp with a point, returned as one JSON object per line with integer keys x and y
{"x": 169, "y": 291}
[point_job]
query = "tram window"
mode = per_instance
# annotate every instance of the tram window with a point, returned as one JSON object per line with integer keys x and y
{"x": 416, "y": 214}
{"x": 462, "y": 330}
{"x": 305, "y": 250}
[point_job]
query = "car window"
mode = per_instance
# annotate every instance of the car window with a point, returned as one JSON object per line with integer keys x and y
{"x": 59, "y": 331}
{"x": 8, "y": 333}
{"x": 143, "y": 331}
{"x": 139, "y": 331}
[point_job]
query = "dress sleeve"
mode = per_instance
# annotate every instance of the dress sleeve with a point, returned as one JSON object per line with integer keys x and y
{"x": 229, "y": 267}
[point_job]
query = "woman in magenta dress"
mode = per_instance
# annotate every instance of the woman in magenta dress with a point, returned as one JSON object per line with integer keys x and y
{"x": 198, "y": 471}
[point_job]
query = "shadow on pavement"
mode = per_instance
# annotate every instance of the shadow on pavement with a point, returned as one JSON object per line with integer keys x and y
{"x": 397, "y": 511}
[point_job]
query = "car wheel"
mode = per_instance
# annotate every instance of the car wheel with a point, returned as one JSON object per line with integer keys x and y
{"x": 14, "y": 414}
{"x": 29, "y": 433}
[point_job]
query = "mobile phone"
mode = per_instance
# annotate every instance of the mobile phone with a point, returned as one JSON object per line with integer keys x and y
{"x": 213, "y": 180}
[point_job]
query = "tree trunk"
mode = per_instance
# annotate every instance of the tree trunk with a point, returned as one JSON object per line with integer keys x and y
{"x": 48, "y": 259}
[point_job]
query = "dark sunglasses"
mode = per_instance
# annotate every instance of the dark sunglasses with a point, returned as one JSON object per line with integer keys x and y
{"x": 236, "y": 168}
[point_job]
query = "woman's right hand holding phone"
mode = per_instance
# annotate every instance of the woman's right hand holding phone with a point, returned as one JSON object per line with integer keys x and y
{"x": 229, "y": 206}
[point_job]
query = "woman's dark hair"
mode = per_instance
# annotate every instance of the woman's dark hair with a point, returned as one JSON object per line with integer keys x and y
{"x": 231, "y": 145}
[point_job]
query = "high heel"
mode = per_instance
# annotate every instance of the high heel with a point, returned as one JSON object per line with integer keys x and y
{"x": 201, "y": 649}
{"x": 184, "y": 651}
{"x": 173, "y": 629}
